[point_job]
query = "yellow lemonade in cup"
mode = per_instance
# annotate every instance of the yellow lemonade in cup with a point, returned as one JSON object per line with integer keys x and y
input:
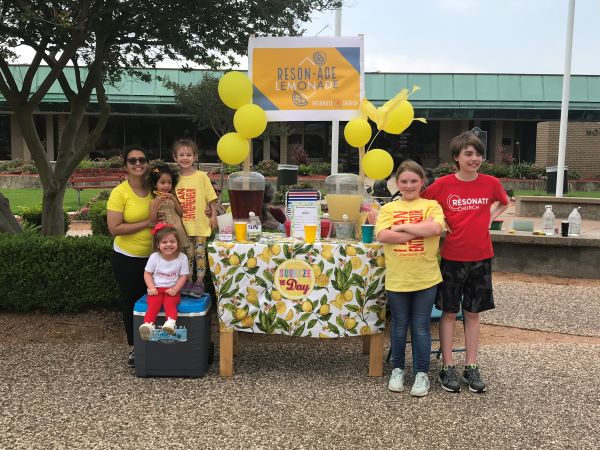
{"x": 240, "y": 230}
{"x": 310, "y": 233}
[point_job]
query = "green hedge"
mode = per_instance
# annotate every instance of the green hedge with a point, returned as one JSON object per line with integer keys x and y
{"x": 98, "y": 218}
{"x": 33, "y": 215}
{"x": 56, "y": 274}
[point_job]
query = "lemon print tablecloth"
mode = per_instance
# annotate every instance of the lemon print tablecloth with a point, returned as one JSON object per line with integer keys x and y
{"x": 280, "y": 285}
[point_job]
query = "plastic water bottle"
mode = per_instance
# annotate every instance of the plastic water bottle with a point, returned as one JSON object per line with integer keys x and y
{"x": 575, "y": 223}
{"x": 254, "y": 228}
{"x": 548, "y": 221}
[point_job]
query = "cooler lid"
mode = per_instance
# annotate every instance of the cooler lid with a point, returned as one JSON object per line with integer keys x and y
{"x": 187, "y": 306}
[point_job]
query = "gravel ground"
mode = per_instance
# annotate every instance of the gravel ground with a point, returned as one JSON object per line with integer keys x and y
{"x": 65, "y": 388}
{"x": 294, "y": 394}
{"x": 569, "y": 309}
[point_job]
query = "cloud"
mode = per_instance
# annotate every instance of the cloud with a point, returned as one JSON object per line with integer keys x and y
{"x": 402, "y": 63}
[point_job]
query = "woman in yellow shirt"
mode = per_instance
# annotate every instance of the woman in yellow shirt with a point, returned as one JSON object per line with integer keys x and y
{"x": 129, "y": 220}
{"x": 410, "y": 230}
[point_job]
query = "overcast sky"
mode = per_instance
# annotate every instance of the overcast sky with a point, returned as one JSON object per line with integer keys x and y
{"x": 482, "y": 36}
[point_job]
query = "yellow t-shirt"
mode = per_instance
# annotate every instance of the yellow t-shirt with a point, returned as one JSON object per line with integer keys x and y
{"x": 194, "y": 193}
{"x": 135, "y": 209}
{"x": 413, "y": 265}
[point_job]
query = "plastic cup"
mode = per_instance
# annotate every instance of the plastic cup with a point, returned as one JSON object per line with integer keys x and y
{"x": 240, "y": 231}
{"x": 367, "y": 233}
{"x": 564, "y": 228}
{"x": 310, "y": 233}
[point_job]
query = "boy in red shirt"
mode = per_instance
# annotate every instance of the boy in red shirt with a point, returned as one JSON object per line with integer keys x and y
{"x": 467, "y": 198}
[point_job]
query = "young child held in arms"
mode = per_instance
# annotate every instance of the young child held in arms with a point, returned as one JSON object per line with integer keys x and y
{"x": 165, "y": 275}
{"x": 166, "y": 205}
{"x": 468, "y": 199}
{"x": 409, "y": 229}
{"x": 195, "y": 192}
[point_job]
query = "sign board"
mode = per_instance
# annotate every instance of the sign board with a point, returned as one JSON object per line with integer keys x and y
{"x": 307, "y": 78}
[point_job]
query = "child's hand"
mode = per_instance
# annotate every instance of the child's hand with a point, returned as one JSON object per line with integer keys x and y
{"x": 152, "y": 291}
{"x": 213, "y": 222}
{"x": 172, "y": 292}
{"x": 208, "y": 211}
{"x": 396, "y": 228}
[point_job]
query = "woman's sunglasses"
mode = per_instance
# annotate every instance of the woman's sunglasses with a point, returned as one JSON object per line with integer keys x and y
{"x": 133, "y": 161}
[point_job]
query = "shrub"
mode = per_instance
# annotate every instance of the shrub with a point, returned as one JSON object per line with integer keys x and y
{"x": 319, "y": 169}
{"x": 304, "y": 169}
{"x": 11, "y": 166}
{"x": 500, "y": 170}
{"x": 299, "y": 154}
{"x": 486, "y": 168}
{"x": 267, "y": 168}
{"x": 82, "y": 213}
{"x": 444, "y": 169}
{"x": 526, "y": 170}
{"x": 98, "y": 218}
{"x": 56, "y": 274}
{"x": 29, "y": 167}
{"x": 573, "y": 175}
{"x": 33, "y": 216}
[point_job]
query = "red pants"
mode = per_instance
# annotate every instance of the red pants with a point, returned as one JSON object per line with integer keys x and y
{"x": 169, "y": 302}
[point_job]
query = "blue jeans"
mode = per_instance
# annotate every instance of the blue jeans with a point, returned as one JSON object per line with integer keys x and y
{"x": 411, "y": 309}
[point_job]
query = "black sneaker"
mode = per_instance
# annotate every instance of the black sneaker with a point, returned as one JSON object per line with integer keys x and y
{"x": 449, "y": 379}
{"x": 473, "y": 379}
{"x": 131, "y": 359}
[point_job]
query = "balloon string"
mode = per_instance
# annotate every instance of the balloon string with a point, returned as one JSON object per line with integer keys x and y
{"x": 373, "y": 140}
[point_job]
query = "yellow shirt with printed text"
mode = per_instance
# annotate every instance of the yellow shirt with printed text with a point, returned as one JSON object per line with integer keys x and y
{"x": 413, "y": 265}
{"x": 135, "y": 209}
{"x": 195, "y": 192}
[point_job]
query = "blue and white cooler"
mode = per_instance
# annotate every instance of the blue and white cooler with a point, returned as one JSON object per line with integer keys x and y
{"x": 187, "y": 353}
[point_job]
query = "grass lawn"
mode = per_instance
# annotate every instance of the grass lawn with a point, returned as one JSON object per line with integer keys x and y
{"x": 27, "y": 197}
{"x": 593, "y": 194}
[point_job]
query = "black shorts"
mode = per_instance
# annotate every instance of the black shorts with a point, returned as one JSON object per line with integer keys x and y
{"x": 466, "y": 282}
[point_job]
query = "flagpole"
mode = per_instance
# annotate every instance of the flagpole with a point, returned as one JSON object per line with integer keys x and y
{"x": 564, "y": 109}
{"x": 335, "y": 124}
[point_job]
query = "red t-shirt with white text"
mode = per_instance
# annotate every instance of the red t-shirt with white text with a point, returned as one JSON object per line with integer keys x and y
{"x": 466, "y": 206}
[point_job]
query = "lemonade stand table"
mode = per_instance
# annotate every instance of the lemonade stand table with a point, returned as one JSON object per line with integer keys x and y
{"x": 329, "y": 289}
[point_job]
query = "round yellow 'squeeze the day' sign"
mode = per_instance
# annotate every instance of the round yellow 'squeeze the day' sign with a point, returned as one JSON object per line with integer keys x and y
{"x": 294, "y": 279}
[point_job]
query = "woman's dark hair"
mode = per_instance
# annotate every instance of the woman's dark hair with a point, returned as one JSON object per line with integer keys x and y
{"x": 157, "y": 169}
{"x": 129, "y": 150}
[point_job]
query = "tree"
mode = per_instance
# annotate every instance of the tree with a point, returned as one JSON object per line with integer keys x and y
{"x": 102, "y": 40}
{"x": 202, "y": 101}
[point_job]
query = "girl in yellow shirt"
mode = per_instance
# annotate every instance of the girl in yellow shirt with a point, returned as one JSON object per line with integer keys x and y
{"x": 410, "y": 230}
{"x": 195, "y": 193}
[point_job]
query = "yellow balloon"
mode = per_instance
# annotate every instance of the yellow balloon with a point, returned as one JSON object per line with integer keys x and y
{"x": 235, "y": 89}
{"x": 250, "y": 120}
{"x": 399, "y": 118}
{"x": 357, "y": 132}
{"x": 378, "y": 164}
{"x": 232, "y": 148}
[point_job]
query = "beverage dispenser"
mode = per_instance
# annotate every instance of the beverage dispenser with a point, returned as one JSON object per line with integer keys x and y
{"x": 246, "y": 191}
{"x": 344, "y": 196}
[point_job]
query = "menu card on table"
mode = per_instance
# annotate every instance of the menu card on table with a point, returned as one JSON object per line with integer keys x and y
{"x": 305, "y": 213}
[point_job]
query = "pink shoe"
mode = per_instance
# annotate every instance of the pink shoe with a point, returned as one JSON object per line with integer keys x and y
{"x": 197, "y": 290}
{"x": 187, "y": 288}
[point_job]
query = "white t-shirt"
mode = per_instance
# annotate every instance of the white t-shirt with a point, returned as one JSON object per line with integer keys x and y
{"x": 166, "y": 273}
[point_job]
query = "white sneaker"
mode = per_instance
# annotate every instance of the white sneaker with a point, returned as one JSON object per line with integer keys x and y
{"x": 169, "y": 327}
{"x": 421, "y": 386}
{"x": 396, "y": 382}
{"x": 146, "y": 331}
